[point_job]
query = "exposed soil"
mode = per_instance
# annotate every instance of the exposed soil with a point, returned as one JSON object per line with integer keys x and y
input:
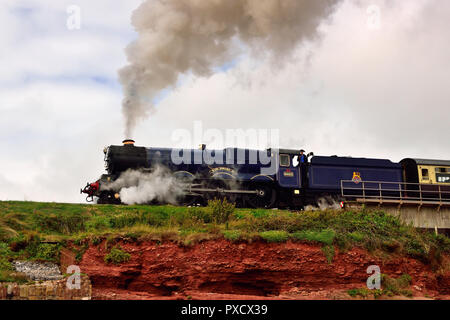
{"x": 219, "y": 269}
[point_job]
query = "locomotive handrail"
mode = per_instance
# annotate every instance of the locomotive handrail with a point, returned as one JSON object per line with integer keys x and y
{"x": 401, "y": 191}
{"x": 221, "y": 190}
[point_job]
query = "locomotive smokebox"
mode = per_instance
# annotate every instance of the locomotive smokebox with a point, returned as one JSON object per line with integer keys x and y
{"x": 128, "y": 142}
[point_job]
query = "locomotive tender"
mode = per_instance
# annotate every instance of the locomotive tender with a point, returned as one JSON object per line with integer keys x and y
{"x": 274, "y": 178}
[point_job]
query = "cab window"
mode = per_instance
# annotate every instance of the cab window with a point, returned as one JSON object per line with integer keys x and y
{"x": 285, "y": 160}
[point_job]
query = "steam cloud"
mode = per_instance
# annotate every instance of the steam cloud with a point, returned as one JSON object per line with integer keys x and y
{"x": 324, "y": 203}
{"x": 137, "y": 187}
{"x": 198, "y": 36}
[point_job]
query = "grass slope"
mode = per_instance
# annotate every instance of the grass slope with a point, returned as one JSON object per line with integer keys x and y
{"x": 30, "y": 230}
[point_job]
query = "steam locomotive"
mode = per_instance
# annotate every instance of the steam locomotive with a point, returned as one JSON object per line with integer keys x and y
{"x": 274, "y": 177}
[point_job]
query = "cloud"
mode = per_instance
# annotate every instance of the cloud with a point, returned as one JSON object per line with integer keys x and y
{"x": 37, "y": 43}
{"x": 357, "y": 91}
{"x": 54, "y": 135}
{"x": 59, "y": 95}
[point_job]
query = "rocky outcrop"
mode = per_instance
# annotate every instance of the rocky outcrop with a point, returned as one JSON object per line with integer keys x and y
{"x": 39, "y": 271}
{"x": 224, "y": 269}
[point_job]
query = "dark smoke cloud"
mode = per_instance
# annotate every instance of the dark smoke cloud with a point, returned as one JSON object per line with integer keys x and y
{"x": 176, "y": 37}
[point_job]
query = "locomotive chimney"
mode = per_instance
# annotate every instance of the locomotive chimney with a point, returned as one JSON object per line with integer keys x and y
{"x": 128, "y": 142}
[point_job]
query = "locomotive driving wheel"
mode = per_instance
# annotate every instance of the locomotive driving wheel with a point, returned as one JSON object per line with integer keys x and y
{"x": 186, "y": 199}
{"x": 219, "y": 185}
{"x": 265, "y": 196}
{"x": 108, "y": 197}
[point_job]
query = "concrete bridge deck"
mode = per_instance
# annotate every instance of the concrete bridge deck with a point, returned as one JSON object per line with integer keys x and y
{"x": 421, "y": 214}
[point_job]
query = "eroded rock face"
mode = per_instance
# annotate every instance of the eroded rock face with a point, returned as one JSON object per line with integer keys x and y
{"x": 257, "y": 269}
{"x": 38, "y": 271}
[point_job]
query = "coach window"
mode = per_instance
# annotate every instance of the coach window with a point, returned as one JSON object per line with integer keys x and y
{"x": 285, "y": 160}
{"x": 443, "y": 175}
{"x": 425, "y": 174}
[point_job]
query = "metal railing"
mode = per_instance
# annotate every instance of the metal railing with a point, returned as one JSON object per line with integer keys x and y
{"x": 402, "y": 191}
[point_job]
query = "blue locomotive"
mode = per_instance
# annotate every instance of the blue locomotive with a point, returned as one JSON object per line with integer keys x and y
{"x": 272, "y": 177}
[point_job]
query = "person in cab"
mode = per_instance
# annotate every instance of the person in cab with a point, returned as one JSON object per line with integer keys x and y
{"x": 302, "y": 158}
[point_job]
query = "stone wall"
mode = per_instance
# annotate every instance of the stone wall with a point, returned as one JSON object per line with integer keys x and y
{"x": 46, "y": 290}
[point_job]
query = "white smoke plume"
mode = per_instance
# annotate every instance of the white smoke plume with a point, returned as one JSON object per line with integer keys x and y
{"x": 324, "y": 203}
{"x": 138, "y": 187}
{"x": 178, "y": 37}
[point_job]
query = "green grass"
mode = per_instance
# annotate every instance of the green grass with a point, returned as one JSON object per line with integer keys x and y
{"x": 397, "y": 286}
{"x": 274, "y": 236}
{"x": 5, "y": 252}
{"x": 389, "y": 287}
{"x": 361, "y": 292}
{"x": 329, "y": 252}
{"x": 324, "y": 236}
{"x": 117, "y": 256}
{"x": 30, "y": 230}
{"x": 232, "y": 235}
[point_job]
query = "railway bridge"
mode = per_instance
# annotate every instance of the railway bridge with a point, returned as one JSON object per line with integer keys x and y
{"x": 413, "y": 203}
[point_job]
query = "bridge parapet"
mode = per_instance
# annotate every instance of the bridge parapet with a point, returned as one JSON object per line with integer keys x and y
{"x": 412, "y": 203}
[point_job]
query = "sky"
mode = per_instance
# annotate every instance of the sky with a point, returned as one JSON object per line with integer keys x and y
{"x": 372, "y": 85}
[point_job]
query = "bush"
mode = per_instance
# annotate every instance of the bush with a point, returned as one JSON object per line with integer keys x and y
{"x": 4, "y": 253}
{"x": 156, "y": 218}
{"x": 194, "y": 238}
{"x": 221, "y": 210}
{"x": 96, "y": 240}
{"x": 97, "y": 223}
{"x": 127, "y": 219}
{"x": 390, "y": 287}
{"x": 371, "y": 243}
{"x": 79, "y": 252}
{"x": 276, "y": 221}
{"x": 47, "y": 252}
{"x": 11, "y": 276}
{"x": 201, "y": 214}
{"x": 343, "y": 242}
{"x": 274, "y": 236}
{"x": 397, "y": 286}
{"x": 232, "y": 235}
{"x": 363, "y": 292}
{"x": 391, "y": 245}
{"x": 328, "y": 251}
{"x": 416, "y": 249}
{"x": 32, "y": 243}
{"x": 325, "y": 236}
{"x": 117, "y": 256}
{"x": 356, "y": 236}
{"x": 63, "y": 223}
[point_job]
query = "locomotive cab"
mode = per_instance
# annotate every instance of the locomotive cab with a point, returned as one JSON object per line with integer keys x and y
{"x": 292, "y": 177}
{"x": 289, "y": 173}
